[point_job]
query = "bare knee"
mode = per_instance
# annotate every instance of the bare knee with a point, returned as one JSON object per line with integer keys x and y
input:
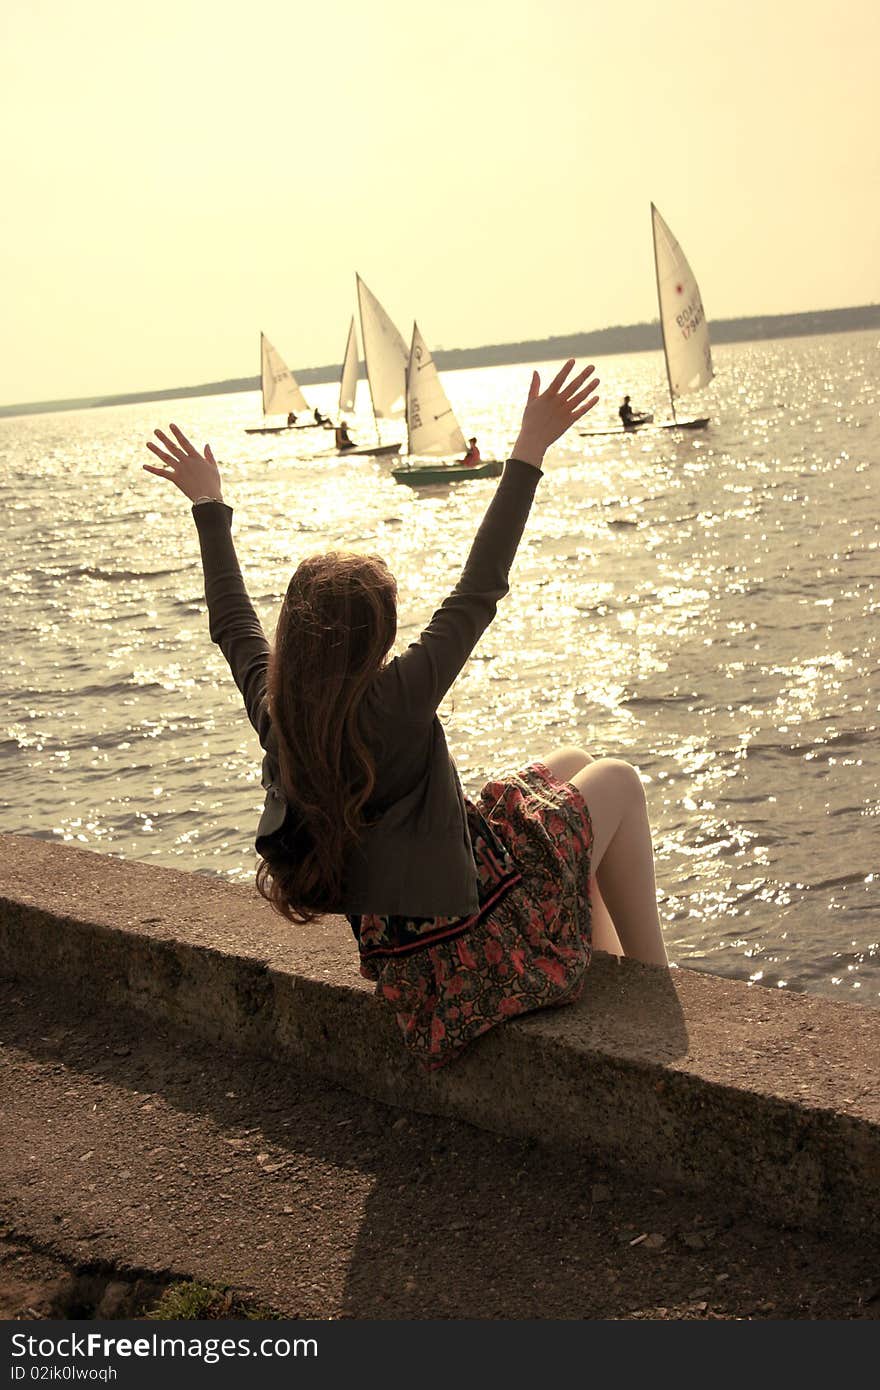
{"x": 624, "y": 777}
{"x": 612, "y": 783}
{"x": 566, "y": 762}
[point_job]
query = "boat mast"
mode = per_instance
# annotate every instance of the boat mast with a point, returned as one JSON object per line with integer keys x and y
{"x": 409, "y": 367}
{"x": 660, "y": 307}
{"x": 366, "y": 356}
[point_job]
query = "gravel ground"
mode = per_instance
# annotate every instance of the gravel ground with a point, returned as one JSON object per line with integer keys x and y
{"x": 133, "y": 1157}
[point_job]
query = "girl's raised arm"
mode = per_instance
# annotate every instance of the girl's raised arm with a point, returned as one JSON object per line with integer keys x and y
{"x": 234, "y": 624}
{"x": 426, "y": 670}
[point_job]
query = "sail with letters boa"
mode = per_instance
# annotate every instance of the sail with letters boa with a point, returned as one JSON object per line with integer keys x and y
{"x": 685, "y": 334}
{"x": 682, "y": 318}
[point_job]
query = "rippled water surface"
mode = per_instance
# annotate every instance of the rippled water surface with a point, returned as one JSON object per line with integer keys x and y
{"x": 704, "y": 605}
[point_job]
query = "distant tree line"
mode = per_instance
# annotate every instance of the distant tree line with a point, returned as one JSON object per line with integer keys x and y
{"x": 636, "y": 337}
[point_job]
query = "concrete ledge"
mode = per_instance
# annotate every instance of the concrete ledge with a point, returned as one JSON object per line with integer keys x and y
{"x": 683, "y": 1077}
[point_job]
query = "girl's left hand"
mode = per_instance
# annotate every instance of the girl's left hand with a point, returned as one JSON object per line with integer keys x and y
{"x": 549, "y": 413}
{"x": 197, "y": 475}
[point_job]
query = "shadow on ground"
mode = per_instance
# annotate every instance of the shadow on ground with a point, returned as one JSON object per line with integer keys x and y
{"x": 136, "y": 1150}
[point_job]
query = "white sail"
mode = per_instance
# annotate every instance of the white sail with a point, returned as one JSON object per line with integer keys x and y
{"x": 430, "y": 422}
{"x": 385, "y": 355}
{"x": 281, "y": 393}
{"x": 682, "y": 318}
{"x": 349, "y": 378}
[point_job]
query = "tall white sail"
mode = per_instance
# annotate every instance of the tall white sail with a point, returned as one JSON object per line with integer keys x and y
{"x": 281, "y": 393}
{"x": 386, "y": 356}
{"x": 682, "y": 318}
{"x": 430, "y": 422}
{"x": 349, "y": 378}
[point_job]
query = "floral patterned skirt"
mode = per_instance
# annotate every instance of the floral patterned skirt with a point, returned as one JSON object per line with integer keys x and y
{"x": 529, "y": 951}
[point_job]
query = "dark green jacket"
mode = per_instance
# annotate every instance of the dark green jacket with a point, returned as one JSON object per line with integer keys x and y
{"x": 416, "y": 860}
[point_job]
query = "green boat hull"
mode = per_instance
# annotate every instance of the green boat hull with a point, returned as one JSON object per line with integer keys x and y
{"x": 427, "y": 475}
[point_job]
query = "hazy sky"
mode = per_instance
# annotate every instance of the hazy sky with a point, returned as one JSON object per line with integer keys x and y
{"x": 178, "y": 175}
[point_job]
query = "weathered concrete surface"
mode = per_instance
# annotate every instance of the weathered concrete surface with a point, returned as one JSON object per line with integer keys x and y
{"x": 682, "y": 1076}
{"x": 135, "y": 1156}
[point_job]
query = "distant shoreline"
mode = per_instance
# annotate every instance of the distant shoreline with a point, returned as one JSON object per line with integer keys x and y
{"x": 638, "y": 337}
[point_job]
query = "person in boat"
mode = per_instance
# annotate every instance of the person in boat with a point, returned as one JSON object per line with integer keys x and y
{"x": 466, "y": 911}
{"x": 343, "y": 438}
{"x": 321, "y": 419}
{"x": 291, "y": 419}
{"x": 472, "y": 456}
{"x": 631, "y": 417}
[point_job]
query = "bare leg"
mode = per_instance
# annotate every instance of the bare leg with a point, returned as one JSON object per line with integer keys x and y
{"x": 565, "y": 763}
{"x": 623, "y": 856}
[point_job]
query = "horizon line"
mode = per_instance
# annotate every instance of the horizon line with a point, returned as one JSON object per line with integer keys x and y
{"x": 810, "y": 321}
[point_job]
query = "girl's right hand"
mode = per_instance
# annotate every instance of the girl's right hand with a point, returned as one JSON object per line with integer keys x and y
{"x": 197, "y": 475}
{"x": 548, "y": 414}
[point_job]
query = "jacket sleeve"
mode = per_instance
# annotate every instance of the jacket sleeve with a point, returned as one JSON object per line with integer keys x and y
{"x": 234, "y": 625}
{"x": 426, "y": 670}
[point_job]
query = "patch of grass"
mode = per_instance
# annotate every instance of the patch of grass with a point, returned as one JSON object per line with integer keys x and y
{"x": 190, "y": 1300}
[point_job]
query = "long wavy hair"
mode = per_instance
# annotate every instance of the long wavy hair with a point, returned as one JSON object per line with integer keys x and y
{"x": 335, "y": 629}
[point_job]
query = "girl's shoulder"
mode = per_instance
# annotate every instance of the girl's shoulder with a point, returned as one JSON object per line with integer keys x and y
{"x": 389, "y": 701}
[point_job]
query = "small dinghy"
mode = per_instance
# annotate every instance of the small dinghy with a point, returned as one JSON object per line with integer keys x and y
{"x": 281, "y": 393}
{"x": 432, "y": 427}
{"x": 368, "y": 451}
{"x": 685, "y": 331}
{"x": 699, "y": 423}
{"x": 432, "y": 474}
{"x": 385, "y": 361}
{"x": 284, "y": 429}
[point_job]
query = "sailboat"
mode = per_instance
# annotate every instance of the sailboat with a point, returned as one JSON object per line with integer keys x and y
{"x": 348, "y": 377}
{"x": 281, "y": 392}
{"x": 431, "y": 424}
{"x": 685, "y": 331}
{"x": 385, "y": 358}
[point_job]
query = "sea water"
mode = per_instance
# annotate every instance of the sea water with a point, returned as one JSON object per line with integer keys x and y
{"x": 705, "y": 605}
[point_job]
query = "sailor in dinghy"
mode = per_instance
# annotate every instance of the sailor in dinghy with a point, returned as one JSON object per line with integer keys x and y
{"x": 685, "y": 332}
{"x": 631, "y": 419}
{"x": 432, "y": 428}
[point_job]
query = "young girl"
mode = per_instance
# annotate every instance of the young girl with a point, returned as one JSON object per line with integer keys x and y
{"x": 465, "y": 913}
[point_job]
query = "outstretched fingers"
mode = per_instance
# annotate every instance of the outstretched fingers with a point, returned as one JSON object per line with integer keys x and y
{"x": 183, "y": 441}
{"x": 171, "y": 445}
{"x": 160, "y": 453}
{"x": 180, "y": 447}
{"x": 578, "y": 397}
{"x": 556, "y": 383}
{"x": 576, "y": 382}
{"x": 585, "y": 408}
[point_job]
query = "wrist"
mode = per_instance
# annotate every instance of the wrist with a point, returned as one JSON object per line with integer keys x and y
{"x": 197, "y": 501}
{"x": 529, "y": 450}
